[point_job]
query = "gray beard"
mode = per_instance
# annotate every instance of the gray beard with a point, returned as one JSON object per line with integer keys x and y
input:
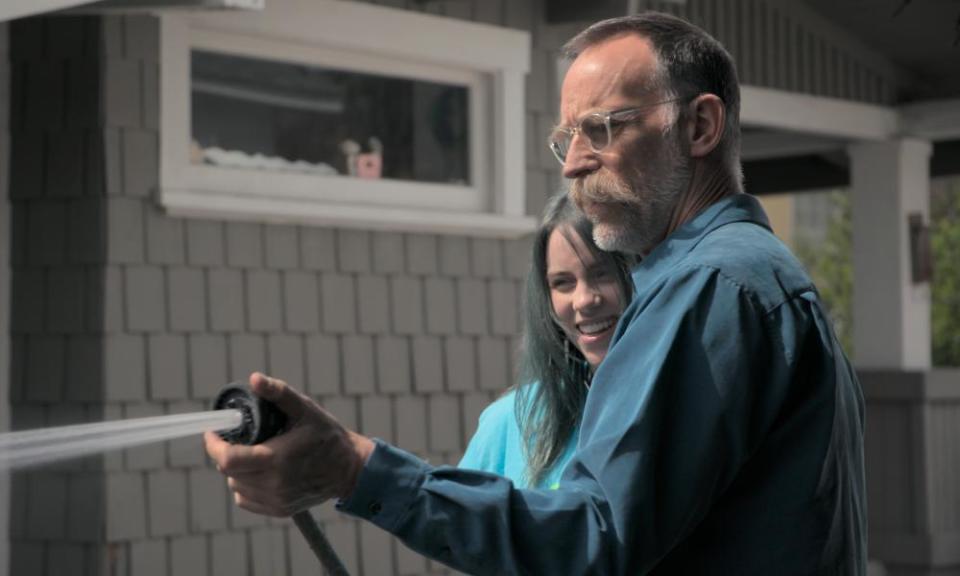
{"x": 645, "y": 203}
{"x": 643, "y": 223}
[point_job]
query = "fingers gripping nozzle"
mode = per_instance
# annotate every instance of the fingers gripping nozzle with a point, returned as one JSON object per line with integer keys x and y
{"x": 261, "y": 419}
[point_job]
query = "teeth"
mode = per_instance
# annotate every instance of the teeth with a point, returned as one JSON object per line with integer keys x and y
{"x": 596, "y": 327}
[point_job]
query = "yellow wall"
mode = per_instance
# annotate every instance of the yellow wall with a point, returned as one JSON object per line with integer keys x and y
{"x": 779, "y": 209}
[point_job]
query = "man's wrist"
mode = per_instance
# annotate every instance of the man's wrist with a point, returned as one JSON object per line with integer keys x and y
{"x": 362, "y": 448}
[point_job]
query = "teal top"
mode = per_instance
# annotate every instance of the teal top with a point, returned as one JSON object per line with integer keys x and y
{"x": 497, "y": 446}
{"x": 722, "y": 434}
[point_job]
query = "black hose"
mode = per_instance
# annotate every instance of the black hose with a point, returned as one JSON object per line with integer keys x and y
{"x": 262, "y": 421}
{"x": 319, "y": 544}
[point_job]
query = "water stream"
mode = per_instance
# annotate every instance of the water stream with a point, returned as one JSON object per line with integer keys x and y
{"x": 45, "y": 445}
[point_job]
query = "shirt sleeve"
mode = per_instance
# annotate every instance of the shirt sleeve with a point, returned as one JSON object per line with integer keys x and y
{"x": 684, "y": 396}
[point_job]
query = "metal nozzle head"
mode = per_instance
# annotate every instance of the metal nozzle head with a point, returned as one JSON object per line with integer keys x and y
{"x": 261, "y": 419}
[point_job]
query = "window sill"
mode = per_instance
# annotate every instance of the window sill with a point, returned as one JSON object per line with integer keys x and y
{"x": 207, "y": 204}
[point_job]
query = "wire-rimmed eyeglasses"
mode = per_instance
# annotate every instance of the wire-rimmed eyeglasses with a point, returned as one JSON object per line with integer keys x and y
{"x": 598, "y": 128}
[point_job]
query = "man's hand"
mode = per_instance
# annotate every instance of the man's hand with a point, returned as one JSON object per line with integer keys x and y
{"x": 315, "y": 459}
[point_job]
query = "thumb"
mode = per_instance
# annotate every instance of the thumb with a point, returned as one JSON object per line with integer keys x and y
{"x": 277, "y": 392}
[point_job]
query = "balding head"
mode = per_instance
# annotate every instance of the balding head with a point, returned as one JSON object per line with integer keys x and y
{"x": 688, "y": 62}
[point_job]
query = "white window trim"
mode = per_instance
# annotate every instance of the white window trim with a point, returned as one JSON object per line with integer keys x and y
{"x": 492, "y": 62}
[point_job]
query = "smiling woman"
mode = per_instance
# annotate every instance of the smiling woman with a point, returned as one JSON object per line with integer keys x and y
{"x": 575, "y": 295}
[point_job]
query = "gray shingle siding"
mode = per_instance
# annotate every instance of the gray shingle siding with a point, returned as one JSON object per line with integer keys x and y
{"x": 121, "y": 311}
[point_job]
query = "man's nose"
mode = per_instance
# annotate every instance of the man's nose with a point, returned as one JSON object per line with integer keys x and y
{"x": 580, "y": 159}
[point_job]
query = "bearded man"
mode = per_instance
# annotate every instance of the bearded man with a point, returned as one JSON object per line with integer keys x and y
{"x": 723, "y": 432}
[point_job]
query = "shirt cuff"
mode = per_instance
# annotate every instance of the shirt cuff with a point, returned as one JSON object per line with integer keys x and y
{"x": 386, "y": 487}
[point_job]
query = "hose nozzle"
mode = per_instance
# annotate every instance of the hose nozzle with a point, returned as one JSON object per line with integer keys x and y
{"x": 261, "y": 419}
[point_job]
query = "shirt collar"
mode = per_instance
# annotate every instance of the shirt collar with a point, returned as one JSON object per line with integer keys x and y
{"x": 734, "y": 208}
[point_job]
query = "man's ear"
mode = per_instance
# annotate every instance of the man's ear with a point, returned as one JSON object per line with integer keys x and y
{"x": 706, "y": 119}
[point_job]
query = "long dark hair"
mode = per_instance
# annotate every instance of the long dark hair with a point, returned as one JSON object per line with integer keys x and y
{"x": 548, "y": 413}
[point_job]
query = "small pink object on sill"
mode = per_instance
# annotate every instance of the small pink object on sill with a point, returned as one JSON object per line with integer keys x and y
{"x": 369, "y": 165}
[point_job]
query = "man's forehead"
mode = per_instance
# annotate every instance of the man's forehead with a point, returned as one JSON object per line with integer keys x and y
{"x": 622, "y": 67}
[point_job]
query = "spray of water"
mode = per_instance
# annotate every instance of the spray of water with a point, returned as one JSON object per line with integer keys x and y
{"x": 42, "y": 446}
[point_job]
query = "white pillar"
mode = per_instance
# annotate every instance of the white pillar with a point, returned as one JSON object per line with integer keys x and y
{"x": 891, "y": 313}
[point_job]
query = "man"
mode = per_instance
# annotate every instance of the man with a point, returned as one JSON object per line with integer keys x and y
{"x": 722, "y": 433}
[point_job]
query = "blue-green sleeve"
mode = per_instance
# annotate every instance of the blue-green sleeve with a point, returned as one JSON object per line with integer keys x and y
{"x": 691, "y": 384}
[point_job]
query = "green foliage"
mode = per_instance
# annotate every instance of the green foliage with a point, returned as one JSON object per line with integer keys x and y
{"x": 830, "y": 266}
{"x": 945, "y": 290}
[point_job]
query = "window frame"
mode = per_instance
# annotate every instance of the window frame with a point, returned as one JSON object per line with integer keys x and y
{"x": 490, "y": 62}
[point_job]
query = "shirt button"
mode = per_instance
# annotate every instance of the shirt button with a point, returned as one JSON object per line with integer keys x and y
{"x": 375, "y": 508}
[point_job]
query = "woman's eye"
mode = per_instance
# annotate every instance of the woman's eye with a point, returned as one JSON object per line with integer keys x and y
{"x": 560, "y": 284}
{"x": 602, "y": 274}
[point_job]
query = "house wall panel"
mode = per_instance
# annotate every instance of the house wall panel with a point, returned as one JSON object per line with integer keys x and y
{"x": 167, "y": 365}
{"x": 244, "y": 244}
{"x": 281, "y": 247}
{"x": 228, "y": 552}
{"x": 166, "y": 239}
{"x": 264, "y": 304}
{"x": 225, "y": 294}
{"x": 148, "y": 557}
{"x": 188, "y": 556}
{"x": 388, "y": 253}
{"x": 186, "y": 290}
{"x": 385, "y": 328}
{"x": 247, "y": 354}
{"x": 286, "y": 357}
{"x": 354, "y": 251}
{"x": 85, "y": 232}
{"x": 205, "y": 243}
{"x": 421, "y": 254}
{"x": 406, "y": 299}
{"x": 207, "y": 364}
{"x": 455, "y": 257}
{"x": 373, "y": 296}
{"x": 427, "y": 364}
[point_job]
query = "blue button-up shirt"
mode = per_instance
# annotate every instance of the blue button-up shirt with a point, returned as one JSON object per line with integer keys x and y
{"x": 722, "y": 435}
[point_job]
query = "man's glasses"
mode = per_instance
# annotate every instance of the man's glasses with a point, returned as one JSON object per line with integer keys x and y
{"x": 598, "y": 128}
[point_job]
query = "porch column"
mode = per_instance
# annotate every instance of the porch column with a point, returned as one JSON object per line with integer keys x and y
{"x": 891, "y": 313}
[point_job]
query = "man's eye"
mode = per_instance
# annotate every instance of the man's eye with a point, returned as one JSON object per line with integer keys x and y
{"x": 594, "y": 129}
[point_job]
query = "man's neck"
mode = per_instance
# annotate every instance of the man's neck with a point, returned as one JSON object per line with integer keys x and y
{"x": 708, "y": 186}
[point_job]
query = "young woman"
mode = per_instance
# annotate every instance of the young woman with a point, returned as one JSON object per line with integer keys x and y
{"x": 575, "y": 295}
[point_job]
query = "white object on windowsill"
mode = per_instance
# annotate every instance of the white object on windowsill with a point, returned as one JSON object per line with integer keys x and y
{"x": 240, "y": 159}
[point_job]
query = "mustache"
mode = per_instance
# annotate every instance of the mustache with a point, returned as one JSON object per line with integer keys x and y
{"x": 600, "y": 188}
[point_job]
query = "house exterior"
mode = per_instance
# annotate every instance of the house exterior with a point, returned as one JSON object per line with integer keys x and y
{"x": 140, "y": 279}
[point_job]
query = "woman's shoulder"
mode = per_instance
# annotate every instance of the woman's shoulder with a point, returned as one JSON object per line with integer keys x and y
{"x": 501, "y": 408}
{"x": 505, "y": 407}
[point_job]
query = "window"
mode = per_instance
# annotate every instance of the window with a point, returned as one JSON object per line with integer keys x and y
{"x": 334, "y": 113}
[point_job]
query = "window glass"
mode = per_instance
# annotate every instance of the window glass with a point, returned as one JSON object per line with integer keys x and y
{"x": 252, "y": 113}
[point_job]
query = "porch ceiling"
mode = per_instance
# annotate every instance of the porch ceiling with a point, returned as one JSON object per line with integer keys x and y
{"x": 12, "y": 9}
{"x": 922, "y": 38}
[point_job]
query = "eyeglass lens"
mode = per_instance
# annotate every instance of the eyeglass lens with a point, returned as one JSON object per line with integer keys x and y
{"x": 594, "y": 128}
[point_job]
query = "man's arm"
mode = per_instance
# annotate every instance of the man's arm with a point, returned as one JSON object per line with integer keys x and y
{"x": 673, "y": 413}
{"x": 679, "y": 404}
